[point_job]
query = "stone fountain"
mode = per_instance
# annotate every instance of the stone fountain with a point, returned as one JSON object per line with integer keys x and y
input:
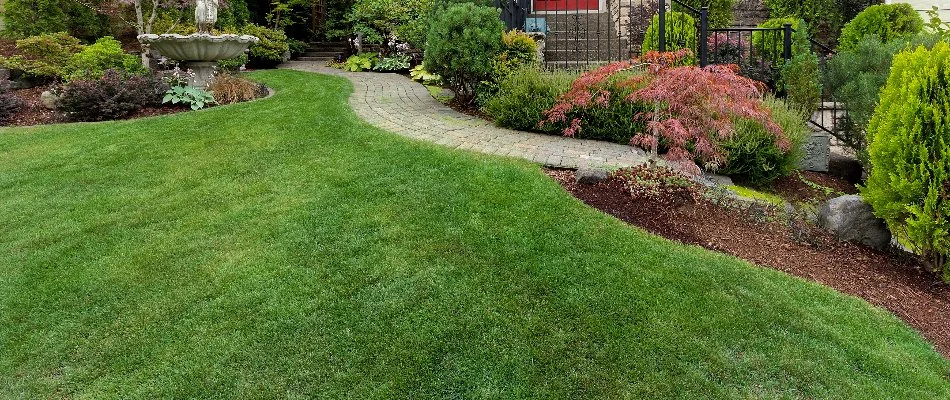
{"x": 201, "y": 51}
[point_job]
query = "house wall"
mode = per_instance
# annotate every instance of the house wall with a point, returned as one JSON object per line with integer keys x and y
{"x": 922, "y": 6}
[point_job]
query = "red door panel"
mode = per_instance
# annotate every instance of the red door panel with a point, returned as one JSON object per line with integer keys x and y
{"x": 566, "y": 5}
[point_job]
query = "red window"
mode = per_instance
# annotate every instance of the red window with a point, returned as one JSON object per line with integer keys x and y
{"x": 566, "y": 5}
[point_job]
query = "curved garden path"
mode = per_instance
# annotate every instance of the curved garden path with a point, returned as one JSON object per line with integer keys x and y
{"x": 397, "y": 104}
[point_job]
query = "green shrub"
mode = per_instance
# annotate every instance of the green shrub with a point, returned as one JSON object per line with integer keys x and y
{"x": 271, "y": 48}
{"x": 680, "y": 33}
{"x": 824, "y": 17}
{"x": 887, "y": 21}
{"x": 720, "y": 11}
{"x": 95, "y": 59}
{"x": 231, "y": 65}
{"x": 524, "y": 95}
{"x": 753, "y": 154}
{"x": 24, "y": 18}
{"x": 855, "y": 78}
{"x": 908, "y": 184}
{"x": 377, "y": 20}
{"x": 518, "y": 50}
{"x": 45, "y": 56}
{"x": 360, "y": 62}
{"x": 799, "y": 77}
{"x": 463, "y": 40}
{"x": 394, "y": 63}
{"x": 297, "y": 47}
{"x": 113, "y": 96}
{"x": 771, "y": 46}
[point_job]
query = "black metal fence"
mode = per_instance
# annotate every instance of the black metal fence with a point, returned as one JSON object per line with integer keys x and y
{"x": 579, "y": 34}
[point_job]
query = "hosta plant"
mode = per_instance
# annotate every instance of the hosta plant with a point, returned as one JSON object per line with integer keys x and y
{"x": 420, "y": 74}
{"x": 190, "y": 96}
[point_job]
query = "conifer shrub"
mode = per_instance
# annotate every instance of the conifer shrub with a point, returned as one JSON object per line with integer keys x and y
{"x": 680, "y": 33}
{"x": 909, "y": 147}
{"x": 45, "y": 55}
{"x": 855, "y": 78}
{"x": 886, "y": 21}
{"x": 462, "y": 43}
{"x": 271, "y": 48}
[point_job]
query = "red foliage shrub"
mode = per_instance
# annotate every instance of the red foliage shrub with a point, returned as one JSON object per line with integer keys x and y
{"x": 595, "y": 87}
{"x": 695, "y": 108}
{"x": 691, "y": 109}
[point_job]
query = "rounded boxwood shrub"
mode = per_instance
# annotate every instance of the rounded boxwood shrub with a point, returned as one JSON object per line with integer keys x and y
{"x": 909, "y": 145}
{"x": 887, "y": 21}
{"x": 272, "y": 48}
{"x": 462, "y": 43}
{"x": 680, "y": 33}
{"x": 824, "y": 17}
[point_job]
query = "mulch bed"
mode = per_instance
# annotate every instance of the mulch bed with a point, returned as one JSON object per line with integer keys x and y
{"x": 895, "y": 282}
{"x": 33, "y": 112}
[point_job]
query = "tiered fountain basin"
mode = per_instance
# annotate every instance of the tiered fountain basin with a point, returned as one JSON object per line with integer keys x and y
{"x": 200, "y": 52}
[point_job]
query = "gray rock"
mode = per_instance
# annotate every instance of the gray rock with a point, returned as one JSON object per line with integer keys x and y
{"x": 49, "y": 100}
{"x": 852, "y": 219}
{"x": 5, "y": 74}
{"x": 817, "y": 149}
{"x": 590, "y": 176}
{"x": 719, "y": 180}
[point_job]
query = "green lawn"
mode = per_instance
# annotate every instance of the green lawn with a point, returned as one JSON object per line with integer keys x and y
{"x": 283, "y": 249}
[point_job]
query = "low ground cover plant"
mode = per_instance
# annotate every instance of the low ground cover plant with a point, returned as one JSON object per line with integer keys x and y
{"x": 910, "y": 157}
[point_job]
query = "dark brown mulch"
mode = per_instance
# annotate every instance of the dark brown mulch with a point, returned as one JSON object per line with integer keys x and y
{"x": 894, "y": 282}
{"x": 33, "y": 112}
{"x": 794, "y": 189}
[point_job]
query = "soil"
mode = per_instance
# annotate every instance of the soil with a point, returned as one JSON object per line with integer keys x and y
{"x": 896, "y": 282}
{"x": 794, "y": 189}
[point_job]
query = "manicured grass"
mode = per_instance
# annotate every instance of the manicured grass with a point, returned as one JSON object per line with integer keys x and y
{"x": 282, "y": 248}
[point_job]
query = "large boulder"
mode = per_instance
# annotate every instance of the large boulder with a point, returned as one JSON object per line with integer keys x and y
{"x": 852, "y": 219}
{"x": 49, "y": 100}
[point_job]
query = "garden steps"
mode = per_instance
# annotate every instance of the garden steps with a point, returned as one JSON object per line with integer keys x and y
{"x": 583, "y": 38}
{"x": 324, "y": 51}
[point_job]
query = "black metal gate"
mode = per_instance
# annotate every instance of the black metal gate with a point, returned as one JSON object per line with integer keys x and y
{"x": 514, "y": 12}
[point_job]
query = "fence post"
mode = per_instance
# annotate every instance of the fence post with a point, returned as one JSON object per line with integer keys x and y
{"x": 787, "y": 43}
{"x": 662, "y": 20}
{"x": 703, "y": 37}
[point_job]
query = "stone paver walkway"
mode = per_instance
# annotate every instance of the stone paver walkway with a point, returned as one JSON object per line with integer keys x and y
{"x": 397, "y": 104}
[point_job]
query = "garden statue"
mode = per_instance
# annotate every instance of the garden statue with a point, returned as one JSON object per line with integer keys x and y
{"x": 206, "y": 14}
{"x": 201, "y": 51}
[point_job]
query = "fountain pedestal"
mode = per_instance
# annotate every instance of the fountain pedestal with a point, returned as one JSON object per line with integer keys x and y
{"x": 200, "y": 52}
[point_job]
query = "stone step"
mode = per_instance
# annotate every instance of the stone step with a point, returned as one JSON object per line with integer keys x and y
{"x": 329, "y": 54}
{"x": 316, "y": 59}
